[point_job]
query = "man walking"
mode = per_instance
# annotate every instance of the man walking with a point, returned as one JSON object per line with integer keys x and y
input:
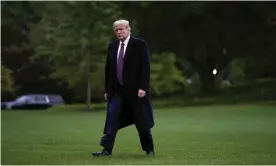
{"x": 127, "y": 89}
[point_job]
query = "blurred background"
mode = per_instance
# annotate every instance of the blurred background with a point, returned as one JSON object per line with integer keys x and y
{"x": 201, "y": 52}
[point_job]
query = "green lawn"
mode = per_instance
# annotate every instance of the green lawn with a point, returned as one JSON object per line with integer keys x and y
{"x": 192, "y": 135}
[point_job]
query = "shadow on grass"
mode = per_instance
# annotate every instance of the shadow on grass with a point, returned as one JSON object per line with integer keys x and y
{"x": 133, "y": 156}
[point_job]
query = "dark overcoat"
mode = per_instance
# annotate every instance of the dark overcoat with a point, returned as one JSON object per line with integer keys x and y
{"x": 136, "y": 75}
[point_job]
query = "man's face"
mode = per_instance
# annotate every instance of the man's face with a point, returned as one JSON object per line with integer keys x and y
{"x": 121, "y": 31}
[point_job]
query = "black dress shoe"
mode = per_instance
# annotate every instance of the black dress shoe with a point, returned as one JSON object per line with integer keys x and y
{"x": 150, "y": 153}
{"x": 102, "y": 153}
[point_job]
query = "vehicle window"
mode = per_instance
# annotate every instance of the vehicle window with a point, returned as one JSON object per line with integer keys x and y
{"x": 22, "y": 99}
{"x": 40, "y": 98}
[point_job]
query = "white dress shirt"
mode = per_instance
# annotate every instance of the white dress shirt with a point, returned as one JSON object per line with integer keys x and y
{"x": 125, "y": 46}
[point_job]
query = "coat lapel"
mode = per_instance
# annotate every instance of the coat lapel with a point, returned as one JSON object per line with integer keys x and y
{"x": 128, "y": 49}
{"x": 115, "y": 53}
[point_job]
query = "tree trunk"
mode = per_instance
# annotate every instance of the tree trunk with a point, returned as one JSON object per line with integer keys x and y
{"x": 207, "y": 80}
{"x": 88, "y": 100}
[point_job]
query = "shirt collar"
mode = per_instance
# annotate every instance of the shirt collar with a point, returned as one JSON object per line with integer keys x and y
{"x": 126, "y": 41}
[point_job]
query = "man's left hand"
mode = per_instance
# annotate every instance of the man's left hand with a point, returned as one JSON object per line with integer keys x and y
{"x": 141, "y": 93}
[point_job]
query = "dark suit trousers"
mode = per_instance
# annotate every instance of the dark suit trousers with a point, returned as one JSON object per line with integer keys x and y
{"x": 113, "y": 122}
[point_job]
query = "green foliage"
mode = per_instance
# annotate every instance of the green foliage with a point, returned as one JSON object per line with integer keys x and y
{"x": 17, "y": 13}
{"x": 202, "y": 30}
{"x": 165, "y": 76}
{"x": 236, "y": 71}
{"x": 7, "y": 84}
{"x": 15, "y": 17}
{"x": 72, "y": 37}
{"x": 193, "y": 85}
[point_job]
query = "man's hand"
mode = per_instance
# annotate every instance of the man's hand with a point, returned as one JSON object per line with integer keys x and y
{"x": 141, "y": 93}
{"x": 105, "y": 96}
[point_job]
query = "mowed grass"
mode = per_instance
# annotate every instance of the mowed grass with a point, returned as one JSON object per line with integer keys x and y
{"x": 192, "y": 135}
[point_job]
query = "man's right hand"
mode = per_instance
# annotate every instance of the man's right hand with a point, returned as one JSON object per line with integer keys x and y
{"x": 105, "y": 96}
